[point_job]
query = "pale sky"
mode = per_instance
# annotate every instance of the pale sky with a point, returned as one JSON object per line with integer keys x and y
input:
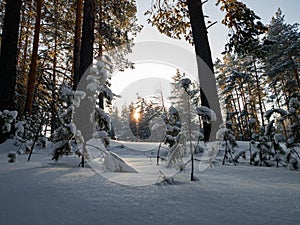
{"x": 147, "y": 77}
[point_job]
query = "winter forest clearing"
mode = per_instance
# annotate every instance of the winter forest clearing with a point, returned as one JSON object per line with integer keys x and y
{"x": 99, "y": 124}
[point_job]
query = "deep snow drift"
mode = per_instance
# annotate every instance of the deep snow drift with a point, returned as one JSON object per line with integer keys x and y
{"x": 46, "y": 192}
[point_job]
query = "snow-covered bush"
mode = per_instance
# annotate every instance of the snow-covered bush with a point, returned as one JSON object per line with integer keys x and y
{"x": 7, "y": 120}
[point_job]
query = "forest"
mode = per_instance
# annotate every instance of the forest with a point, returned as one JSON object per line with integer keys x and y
{"x": 218, "y": 145}
{"x": 47, "y": 47}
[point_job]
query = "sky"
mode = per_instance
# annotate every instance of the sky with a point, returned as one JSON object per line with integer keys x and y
{"x": 148, "y": 76}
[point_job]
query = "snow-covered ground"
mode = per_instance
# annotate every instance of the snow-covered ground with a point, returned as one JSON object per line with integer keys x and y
{"x": 43, "y": 192}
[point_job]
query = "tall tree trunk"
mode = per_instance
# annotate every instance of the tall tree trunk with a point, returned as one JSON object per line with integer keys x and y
{"x": 87, "y": 41}
{"x": 8, "y": 55}
{"x": 100, "y": 49}
{"x": 21, "y": 28}
{"x": 53, "y": 94}
{"x": 82, "y": 114}
{"x": 258, "y": 94}
{"x": 206, "y": 75}
{"x": 240, "y": 119}
{"x": 23, "y": 68}
{"x": 34, "y": 58}
{"x": 77, "y": 43}
{"x": 295, "y": 70}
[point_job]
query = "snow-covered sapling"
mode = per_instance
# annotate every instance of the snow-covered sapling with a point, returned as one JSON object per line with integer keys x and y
{"x": 225, "y": 134}
{"x": 64, "y": 135}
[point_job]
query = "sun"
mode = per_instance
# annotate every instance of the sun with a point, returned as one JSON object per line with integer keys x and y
{"x": 136, "y": 116}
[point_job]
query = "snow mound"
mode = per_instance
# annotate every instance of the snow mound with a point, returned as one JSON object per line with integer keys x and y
{"x": 114, "y": 163}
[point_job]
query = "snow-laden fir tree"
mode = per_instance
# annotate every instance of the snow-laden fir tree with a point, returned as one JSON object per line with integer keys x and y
{"x": 99, "y": 85}
{"x": 263, "y": 155}
{"x": 226, "y": 135}
{"x": 98, "y": 77}
{"x": 293, "y": 138}
{"x": 173, "y": 127}
{"x": 275, "y": 132}
{"x": 64, "y": 136}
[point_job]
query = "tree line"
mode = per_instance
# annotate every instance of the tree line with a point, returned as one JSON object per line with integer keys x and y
{"x": 48, "y": 44}
{"x": 262, "y": 78}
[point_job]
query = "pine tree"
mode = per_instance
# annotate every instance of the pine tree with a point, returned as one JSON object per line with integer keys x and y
{"x": 281, "y": 63}
{"x": 8, "y": 54}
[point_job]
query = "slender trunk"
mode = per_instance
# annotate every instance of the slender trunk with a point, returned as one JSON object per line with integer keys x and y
{"x": 53, "y": 106}
{"x": 253, "y": 108}
{"x": 8, "y": 54}
{"x": 24, "y": 79}
{"x": 240, "y": 110}
{"x": 245, "y": 106}
{"x": 285, "y": 94}
{"x": 77, "y": 43}
{"x": 205, "y": 67}
{"x": 278, "y": 105}
{"x": 295, "y": 71}
{"x": 277, "y": 97}
{"x": 33, "y": 66}
{"x": 258, "y": 94}
{"x": 238, "y": 119}
{"x": 21, "y": 28}
{"x": 190, "y": 138}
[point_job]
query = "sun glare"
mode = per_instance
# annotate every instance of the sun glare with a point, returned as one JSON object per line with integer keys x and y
{"x": 136, "y": 116}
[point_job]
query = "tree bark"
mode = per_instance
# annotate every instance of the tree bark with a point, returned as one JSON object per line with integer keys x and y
{"x": 87, "y": 41}
{"x": 82, "y": 114}
{"x": 34, "y": 57}
{"x": 53, "y": 94}
{"x": 203, "y": 52}
{"x": 8, "y": 55}
{"x": 258, "y": 94}
{"x": 77, "y": 43}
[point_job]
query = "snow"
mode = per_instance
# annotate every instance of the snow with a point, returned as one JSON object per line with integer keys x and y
{"x": 92, "y": 87}
{"x": 20, "y": 127}
{"x": 45, "y": 192}
{"x": 221, "y": 133}
{"x": 78, "y": 96}
{"x": 99, "y": 134}
{"x": 10, "y": 114}
{"x": 206, "y": 113}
